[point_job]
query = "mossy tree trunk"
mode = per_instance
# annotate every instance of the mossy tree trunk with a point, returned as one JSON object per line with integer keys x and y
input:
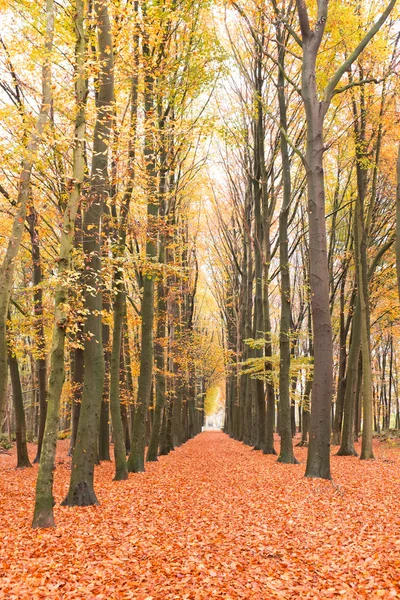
{"x": 44, "y": 501}
{"x": 81, "y": 491}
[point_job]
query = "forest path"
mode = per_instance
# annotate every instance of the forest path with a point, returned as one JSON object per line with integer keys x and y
{"x": 214, "y": 519}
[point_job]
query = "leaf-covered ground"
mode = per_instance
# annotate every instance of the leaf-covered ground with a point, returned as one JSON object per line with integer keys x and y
{"x": 214, "y": 519}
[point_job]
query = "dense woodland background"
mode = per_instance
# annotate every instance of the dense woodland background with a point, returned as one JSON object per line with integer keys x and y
{"x": 198, "y": 208}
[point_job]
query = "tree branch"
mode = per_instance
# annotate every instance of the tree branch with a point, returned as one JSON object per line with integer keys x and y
{"x": 303, "y": 19}
{"x": 330, "y": 88}
{"x": 355, "y": 84}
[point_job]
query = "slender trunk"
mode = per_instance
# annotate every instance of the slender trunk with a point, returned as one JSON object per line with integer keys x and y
{"x": 136, "y": 456}
{"x": 20, "y": 423}
{"x": 44, "y": 501}
{"x": 39, "y": 326}
{"x": 77, "y": 384}
{"x": 120, "y": 450}
{"x": 286, "y": 454}
{"x": 160, "y": 376}
{"x": 398, "y": 221}
{"x": 341, "y": 386}
{"x": 258, "y": 170}
{"x": 347, "y": 443}
{"x": 104, "y": 427}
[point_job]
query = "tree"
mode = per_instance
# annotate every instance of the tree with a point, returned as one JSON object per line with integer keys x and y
{"x": 44, "y": 501}
{"x": 318, "y": 461}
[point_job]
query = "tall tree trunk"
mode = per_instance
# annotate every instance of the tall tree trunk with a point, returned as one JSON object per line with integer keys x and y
{"x": 20, "y": 423}
{"x": 160, "y": 375}
{"x": 104, "y": 426}
{"x": 258, "y": 188}
{"x": 81, "y": 491}
{"x": 347, "y": 443}
{"x": 341, "y": 386}
{"x": 318, "y": 459}
{"x": 136, "y": 456}
{"x": 121, "y": 468}
{"x": 44, "y": 501}
{"x": 286, "y": 454}
{"x": 398, "y": 222}
{"x": 39, "y": 326}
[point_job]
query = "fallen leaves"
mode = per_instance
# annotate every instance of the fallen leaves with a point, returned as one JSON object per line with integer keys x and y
{"x": 214, "y": 519}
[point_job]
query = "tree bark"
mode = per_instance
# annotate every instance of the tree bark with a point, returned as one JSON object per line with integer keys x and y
{"x": 318, "y": 459}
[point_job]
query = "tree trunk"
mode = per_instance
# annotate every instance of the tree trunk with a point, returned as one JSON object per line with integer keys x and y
{"x": 77, "y": 381}
{"x": 318, "y": 459}
{"x": 44, "y": 501}
{"x": 347, "y": 443}
{"x": 20, "y": 423}
{"x": 39, "y": 327}
{"x": 104, "y": 428}
{"x": 136, "y": 456}
{"x": 160, "y": 376}
{"x": 341, "y": 386}
{"x": 81, "y": 491}
{"x": 398, "y": 222}
{"x": 286, "y": 454}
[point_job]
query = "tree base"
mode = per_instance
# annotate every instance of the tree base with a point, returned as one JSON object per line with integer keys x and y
{"x": 24, "y": 465}
{"x": 288, "y": 460}
{"x": 123, "y": 476}
{"x": 136, "y": 465}
{"x": 43, "y": 520}
{"x": 258, "y": 447}
{"x": 43, "y": 517}
{"x": 368, "y": 455}
{"x": 270, "y": 451}
{"x": 318, "y": 474}
{"x": 346, "y": 451}
{"x": 81, "y": 496}
{"x": 152, "y": 458}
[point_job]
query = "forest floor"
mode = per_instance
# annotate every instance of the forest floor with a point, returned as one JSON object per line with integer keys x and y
{"x": 214, "y": 519}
